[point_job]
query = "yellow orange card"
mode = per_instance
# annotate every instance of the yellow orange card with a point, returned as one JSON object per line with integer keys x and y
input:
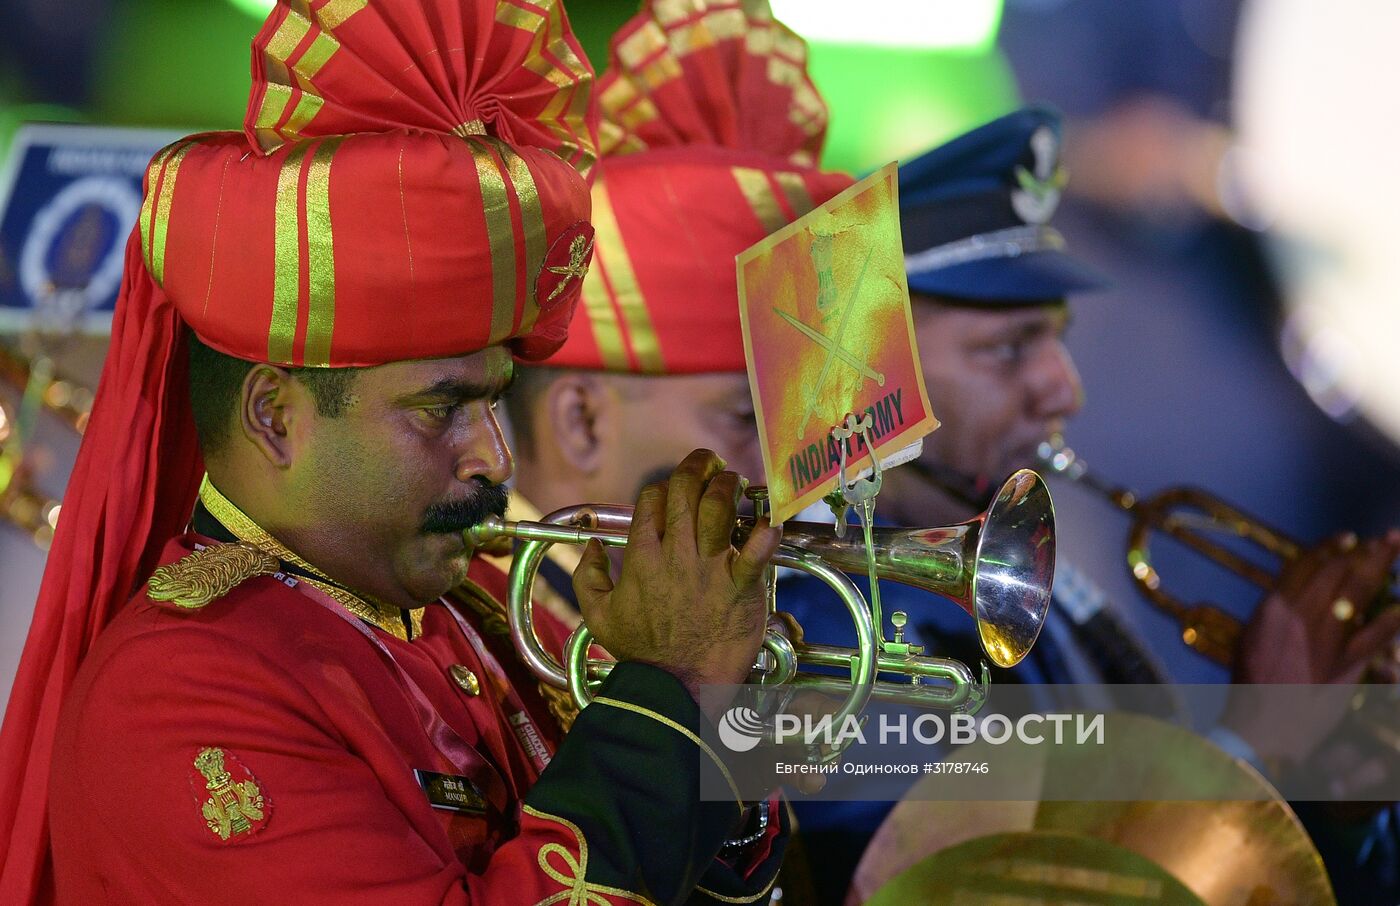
{"x": 827, "y": 333}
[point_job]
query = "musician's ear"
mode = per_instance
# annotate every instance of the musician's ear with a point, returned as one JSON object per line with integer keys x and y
{"x": 581, "y": 414}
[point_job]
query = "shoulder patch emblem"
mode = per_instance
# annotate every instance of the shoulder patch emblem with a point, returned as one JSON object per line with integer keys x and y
{"x": 208, "y": 574}
{"x": 230, "y": 800}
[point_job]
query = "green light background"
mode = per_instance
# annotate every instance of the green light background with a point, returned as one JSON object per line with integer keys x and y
{"x": 181, "y": 64}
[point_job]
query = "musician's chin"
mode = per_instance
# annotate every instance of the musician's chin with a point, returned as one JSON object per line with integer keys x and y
{"x": 447, "y": 557}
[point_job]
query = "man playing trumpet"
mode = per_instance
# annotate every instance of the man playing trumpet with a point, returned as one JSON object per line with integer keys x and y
{"x": 316, "y": 322}
{"x": 989, "y": 280}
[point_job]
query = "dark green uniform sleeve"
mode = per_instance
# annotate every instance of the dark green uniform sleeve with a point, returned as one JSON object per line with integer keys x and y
{"x": 629, "y": 776}
{"x": 750, "y": 874}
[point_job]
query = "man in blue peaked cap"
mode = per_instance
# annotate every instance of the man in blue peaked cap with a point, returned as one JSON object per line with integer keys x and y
{"x": 989, "y": 278}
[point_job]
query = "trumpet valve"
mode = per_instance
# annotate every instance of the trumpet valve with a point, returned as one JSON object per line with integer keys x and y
{"x": 899, "y": 647}
{"x": 757, "y": 494}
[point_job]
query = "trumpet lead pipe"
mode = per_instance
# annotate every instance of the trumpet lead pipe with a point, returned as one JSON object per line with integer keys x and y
{"x": 916, "y": 694}
{"x": 493, "y": 528}
{"x": 921, "y": 667}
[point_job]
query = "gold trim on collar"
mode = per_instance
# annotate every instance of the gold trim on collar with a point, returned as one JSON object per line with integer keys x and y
{"x": 382, "y": 616}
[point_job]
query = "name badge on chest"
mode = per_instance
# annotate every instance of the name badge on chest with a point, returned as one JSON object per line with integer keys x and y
{"x": 451, "y": 793}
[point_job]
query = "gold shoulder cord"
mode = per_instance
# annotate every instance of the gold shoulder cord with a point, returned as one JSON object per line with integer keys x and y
{"x": 385, "y": 617}
{"x": 206, "y": 575}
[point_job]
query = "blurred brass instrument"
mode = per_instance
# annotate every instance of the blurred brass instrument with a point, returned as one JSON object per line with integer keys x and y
{"x": 69, "y": 401}
{"x": 20, "y": 503}
{"x": 1244, "y": 849}
{"x": 997, "y": 567}
{"x": 1188, "y": 515}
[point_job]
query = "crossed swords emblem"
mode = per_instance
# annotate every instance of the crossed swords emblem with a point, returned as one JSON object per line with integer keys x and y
{"x": 833, "y": 345}
{"x": 578, "y": 250}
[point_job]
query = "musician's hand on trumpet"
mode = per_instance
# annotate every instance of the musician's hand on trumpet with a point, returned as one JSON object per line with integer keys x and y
{"x": 685, "y": 600}
{"x": 692, "y": 589}
{"x": 1307, "y": 630}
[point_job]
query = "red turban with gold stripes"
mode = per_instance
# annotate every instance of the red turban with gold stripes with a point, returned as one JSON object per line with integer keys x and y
{"x": 410, "y": 184}
{"x": 404, "y": 201}
{"x": 711, "y": 129}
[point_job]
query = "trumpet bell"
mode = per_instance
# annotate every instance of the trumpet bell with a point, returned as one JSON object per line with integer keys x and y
{"x": 998, "y": 567}
{"x": 1015, "y": 568}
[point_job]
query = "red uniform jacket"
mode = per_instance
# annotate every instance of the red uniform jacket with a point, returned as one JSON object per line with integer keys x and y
{"x": 270, "y": 748}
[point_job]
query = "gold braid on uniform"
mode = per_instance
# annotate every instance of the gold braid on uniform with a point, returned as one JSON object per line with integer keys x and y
{"x": 208, "y": 574}
{"x": 561, "y": 705}
{"x": 493, "y": 620}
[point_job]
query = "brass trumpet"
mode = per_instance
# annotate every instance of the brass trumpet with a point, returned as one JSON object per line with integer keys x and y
{"x": 20, "y": 502}
{"x": 998, "y": 567}
{"x": 1185, "y": 514}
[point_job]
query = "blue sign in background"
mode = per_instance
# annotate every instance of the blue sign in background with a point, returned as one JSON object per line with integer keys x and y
{"x": 68, "y": 201}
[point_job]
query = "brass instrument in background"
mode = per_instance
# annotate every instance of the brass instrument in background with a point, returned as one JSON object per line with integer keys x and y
{"x": 1185, "y": 514}
{"x": 998, "y": 567}
{"x": 70, "y": 401}
{"x": 20, "y": 503}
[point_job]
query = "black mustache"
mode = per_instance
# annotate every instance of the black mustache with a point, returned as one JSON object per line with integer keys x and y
{"x": 456, "y": 516}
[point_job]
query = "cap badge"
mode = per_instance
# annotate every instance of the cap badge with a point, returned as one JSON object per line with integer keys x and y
{"x": 235, "y": 804}
{"x": 1039, "y": 193}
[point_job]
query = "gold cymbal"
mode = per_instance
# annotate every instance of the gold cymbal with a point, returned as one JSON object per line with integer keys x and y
{"x": 1249, "y": 850}
{"x": 1035, "y": 868}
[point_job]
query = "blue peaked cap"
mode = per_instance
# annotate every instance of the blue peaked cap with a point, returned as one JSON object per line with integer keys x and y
{"x": 975, "y": 215}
